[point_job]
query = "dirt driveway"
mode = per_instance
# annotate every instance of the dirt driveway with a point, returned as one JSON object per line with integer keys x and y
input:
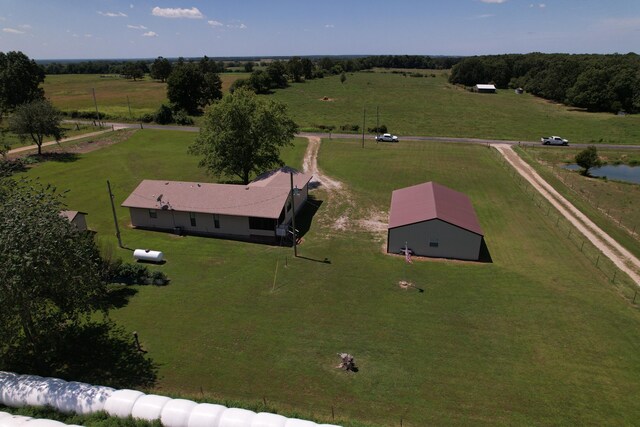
{"x": 621, "y": 257}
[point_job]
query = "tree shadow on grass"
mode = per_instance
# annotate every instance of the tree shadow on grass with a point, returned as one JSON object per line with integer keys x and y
{"x": 117, "y": 296}
{"x": 99, "y": 353}
{"x": 53, "y": 157}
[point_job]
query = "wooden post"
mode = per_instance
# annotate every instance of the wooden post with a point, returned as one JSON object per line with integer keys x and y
{"x": 582, "y": 246}
{"x": 115, "y": 218}
{"x": 129, "y": 104}
{"x": 634, "y": 296}
{"x": 597, "y": 259}
{"x": 96, "y": 105}
{"x": 293, "y": 212}
{"x": 364, "y": 124}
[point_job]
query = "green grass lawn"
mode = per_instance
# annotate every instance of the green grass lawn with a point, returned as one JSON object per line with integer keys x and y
{"x": 70, "y": 130}
{"x": 431, "y": 106}
{"x": 610, "y": 204}
{"x": 70, "y": 92}
{"x": 539, "y": 336}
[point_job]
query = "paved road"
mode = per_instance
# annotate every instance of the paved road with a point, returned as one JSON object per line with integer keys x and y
{"x": 370, "y": 137}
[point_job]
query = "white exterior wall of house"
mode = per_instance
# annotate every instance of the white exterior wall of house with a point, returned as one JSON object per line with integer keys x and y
{"x": 452, "y": 241}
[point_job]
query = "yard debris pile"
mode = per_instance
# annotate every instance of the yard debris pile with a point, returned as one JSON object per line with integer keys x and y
{"x": 347, "y": 362}
{"x": 405, "y": 285}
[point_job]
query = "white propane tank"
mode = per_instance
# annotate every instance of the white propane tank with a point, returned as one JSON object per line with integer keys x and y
{"x": 148, "y": 255}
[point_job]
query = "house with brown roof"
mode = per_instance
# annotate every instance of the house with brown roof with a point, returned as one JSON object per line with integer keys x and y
{"x": 260, "y": 211}
{"x": 434, "y": 221}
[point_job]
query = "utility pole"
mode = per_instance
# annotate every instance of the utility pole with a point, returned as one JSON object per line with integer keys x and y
{"x": 364, "y": 124}
{"x": 115, "y": 218}
{"x": 96, "y": 104}
{"x": 377, "y": 122}
{"x": 293, "y": 217}
{"x": 129, "y": 104}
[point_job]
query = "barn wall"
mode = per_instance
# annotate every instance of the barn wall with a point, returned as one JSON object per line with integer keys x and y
{"x": 453, "y": 242}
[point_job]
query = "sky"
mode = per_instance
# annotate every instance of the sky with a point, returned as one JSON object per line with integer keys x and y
{"x": 86, "y": 29}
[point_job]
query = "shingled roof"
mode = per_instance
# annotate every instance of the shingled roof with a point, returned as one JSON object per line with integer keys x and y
{"x": 264, "y": 197}
{"x": 427, "y": 201}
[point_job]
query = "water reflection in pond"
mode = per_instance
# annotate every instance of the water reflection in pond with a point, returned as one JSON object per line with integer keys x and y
{"x": 624, "y": 173}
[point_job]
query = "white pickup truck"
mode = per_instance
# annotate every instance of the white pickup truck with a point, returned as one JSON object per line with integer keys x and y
{"x": 554, "y": 140}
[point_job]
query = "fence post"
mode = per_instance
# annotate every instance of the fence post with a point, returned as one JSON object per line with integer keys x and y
{"x": 598, "y": 259}
{"x": 582, "y": 246}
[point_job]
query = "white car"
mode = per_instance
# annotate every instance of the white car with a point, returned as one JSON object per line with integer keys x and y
{"x": 386, "y": 137}
{"x": 554, "y": 140}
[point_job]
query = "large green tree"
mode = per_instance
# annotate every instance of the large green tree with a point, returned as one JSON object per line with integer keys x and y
{"x": 243, "y": 134}
{"x": 161, "y": 69}
{"x": 20, "y": 79}
{"x": 587, "y": 159}
{"x": 190, "y": 89}
{"x": 50, "y": 272}
{"x": 37, "y": 120}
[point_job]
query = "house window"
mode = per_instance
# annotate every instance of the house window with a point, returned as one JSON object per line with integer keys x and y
{"x": 434, "y": 243}
{"x": 216, "y": 221}
{"x": 153, "y": 213}
{"x": 192, "y": 217}
{"x": 256, "y": 223}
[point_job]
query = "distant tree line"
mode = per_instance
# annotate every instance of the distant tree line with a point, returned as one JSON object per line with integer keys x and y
{"x": 594, "y": 82}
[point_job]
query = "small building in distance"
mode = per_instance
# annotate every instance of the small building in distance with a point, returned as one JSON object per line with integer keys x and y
{"x": 260, "y": 211}
{"x": 480, "y": 88}
{"x": 434, "y": 221}
{"x": 76, "y": 218}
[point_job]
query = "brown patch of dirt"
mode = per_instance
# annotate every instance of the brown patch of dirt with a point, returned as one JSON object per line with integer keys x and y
{"x": 96, "y": 143}
{"x": 327, "y": 99}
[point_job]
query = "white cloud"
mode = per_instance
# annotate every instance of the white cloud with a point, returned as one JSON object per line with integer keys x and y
{"x": 131, "y": 6}
{"x": 113, "y": 14}
{"x": 239, "y": 25}
{"x": 150, "y": 34}
{"x": 539, "y": 5}
{"x": 12, "y": 31}
{"x": 215, "y": 23}
{"x": 494, "y": 1}
{"x": 484, "y": 16}
{"x": 25, "y": 26}
{"x": 88, "y": 35}
{"x": 137, "y": 27}
{"x": 329, "y": 26}
{"x": 168, "y": 12}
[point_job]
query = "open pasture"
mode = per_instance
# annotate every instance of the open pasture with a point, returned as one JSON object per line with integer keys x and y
{"x": 70, "y": 92}
{"x": 430, "y": 106}
{"x": 538, "y": 336}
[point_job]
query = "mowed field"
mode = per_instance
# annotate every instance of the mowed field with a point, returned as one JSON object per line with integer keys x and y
{"x": 538, "y": 336}
{"x": 430, "y": 106}
{"x": 71, "y": 92}
{"x": 427, "y": 106}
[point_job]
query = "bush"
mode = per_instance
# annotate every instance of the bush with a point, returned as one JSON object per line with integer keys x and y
{"x": 9, "y": 167}
{"x": 182, "y": 118}
{"x": 380, "y": 129}
{"x": 134, "y": 274}
{"x": 350, "y": 128}
{"x": 146, "y": 118}
{"x": 163, "y": 116}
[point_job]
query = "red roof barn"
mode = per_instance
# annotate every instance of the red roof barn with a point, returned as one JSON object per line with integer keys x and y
{"x": 433, "y": 220}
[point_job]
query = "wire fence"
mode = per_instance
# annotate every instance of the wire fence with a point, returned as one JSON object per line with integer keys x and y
{"x": 623, "y": 283}
{"x": 631, "y": 228}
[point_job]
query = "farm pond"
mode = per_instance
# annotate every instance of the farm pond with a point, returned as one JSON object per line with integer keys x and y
{"x": 624, "y": 173}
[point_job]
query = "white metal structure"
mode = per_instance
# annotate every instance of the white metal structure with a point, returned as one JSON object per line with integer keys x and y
{"x": 148, "y": 255}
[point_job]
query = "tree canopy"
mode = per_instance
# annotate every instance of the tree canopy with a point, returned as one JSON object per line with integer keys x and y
{"x": 50, "y": 272}
{"x": 594, "y": 82}
{"x": 587, "y": 159}
{"x": 160, "y": 69}
{"x": 242, "y": 135}
{"x": 35, "y": 120}
{"x": 20, "y": 79}
{"x": 190, "y": 89}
